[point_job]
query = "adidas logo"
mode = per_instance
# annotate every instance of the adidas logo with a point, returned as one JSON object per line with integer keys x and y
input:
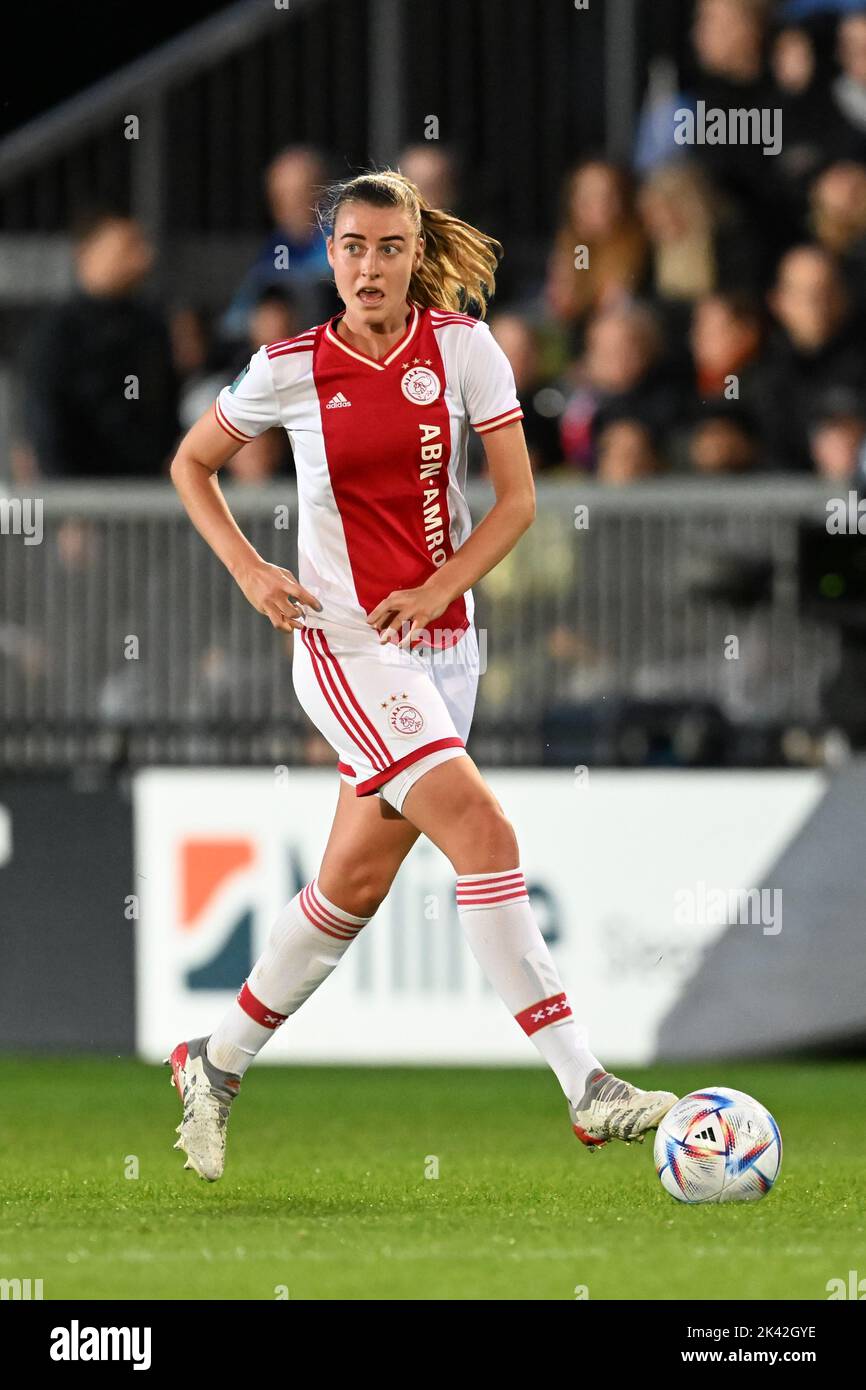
{"x": 336, "y": 402}
{"x": 708, "y": 1133}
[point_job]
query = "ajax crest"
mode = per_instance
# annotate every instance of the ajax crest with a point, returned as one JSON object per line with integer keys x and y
{"x": 405, "y": 719}
{"x": 420, "y": 386}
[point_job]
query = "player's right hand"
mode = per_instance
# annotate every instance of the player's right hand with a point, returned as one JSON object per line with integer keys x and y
{"x": 271, "y": 589}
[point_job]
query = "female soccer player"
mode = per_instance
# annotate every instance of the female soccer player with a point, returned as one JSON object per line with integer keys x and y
{"x": 377, "y": 403}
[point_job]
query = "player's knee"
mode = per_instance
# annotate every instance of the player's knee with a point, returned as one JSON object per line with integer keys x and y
{"x": 486, "y": 836}
{"x": 362, "y": 892}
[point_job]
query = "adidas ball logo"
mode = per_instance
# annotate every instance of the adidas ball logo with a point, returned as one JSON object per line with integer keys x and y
{"x": 708, "y": 1133}
{"x": 336, "y": 402}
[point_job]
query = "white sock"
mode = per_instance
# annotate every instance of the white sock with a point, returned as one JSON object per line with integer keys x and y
{"x": 307, "y": 941}
{"x": 506, "y": 941}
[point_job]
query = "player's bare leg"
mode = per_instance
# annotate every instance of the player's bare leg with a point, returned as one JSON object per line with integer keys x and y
{"x": 454, "y": 807}
{"x": 368, "y": 842}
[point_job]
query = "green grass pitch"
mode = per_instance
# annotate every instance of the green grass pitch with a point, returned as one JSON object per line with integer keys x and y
{"x": 325, "y": 1194}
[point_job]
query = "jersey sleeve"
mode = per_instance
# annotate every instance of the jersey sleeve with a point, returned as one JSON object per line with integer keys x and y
{"x": 249, "y": 406}
{"x": 489, "y": 394}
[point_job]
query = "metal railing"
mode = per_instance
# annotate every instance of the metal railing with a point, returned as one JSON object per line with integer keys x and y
{"x": 123, "y": 640}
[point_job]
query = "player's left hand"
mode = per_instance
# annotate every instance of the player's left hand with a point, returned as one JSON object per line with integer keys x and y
{"x": 406, "y": 611}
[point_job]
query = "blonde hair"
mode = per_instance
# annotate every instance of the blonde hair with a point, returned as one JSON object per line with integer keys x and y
{"x": 459, "y": 263}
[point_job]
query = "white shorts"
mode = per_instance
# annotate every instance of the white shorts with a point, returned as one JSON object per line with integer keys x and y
{"x": 389, "y": 714}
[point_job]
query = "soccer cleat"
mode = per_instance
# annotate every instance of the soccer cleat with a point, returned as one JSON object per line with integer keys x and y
{"x": 206, "y": 1093}
{"x": 613, "y": 1109}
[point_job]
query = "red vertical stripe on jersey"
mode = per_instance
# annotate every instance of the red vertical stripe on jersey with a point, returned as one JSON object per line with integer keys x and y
{"x": 391, "y": 496}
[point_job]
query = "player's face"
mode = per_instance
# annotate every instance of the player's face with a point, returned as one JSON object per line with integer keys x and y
{"x": 373, "y": 252}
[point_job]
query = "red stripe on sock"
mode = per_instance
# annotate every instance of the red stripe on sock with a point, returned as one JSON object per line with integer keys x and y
{"x": 308, "y": 907}
{"x": 545, "y": 1011}
{"x": 518, "y": 897}
{"x": 493, "y": 881}
{"x": 477, "y": 895}
{"x": 337, "y": 916}
{"x": 487, "y": 892}
{"x": 325, "y": 920}
{"x": 259, "y": 1012}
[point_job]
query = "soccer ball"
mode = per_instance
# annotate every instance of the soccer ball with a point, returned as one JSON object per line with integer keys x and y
{"x": 718, "y": 1145}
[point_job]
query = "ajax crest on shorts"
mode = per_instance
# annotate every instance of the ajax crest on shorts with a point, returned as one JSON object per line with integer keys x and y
{"x": 403, "y": 717}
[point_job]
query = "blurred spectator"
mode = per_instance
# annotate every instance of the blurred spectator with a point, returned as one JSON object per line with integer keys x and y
{"x": 433, "y": 170}
{"x": 598, "y": 215}
{"x": 792, "y": 63}
{"x": 199, "y": 372}
{"x": 849, "y": 88}
{"x": 189, "y": 341}
{"x": 542, "y": 401}
{"x": 813, "y": 130}
{"x": 836, "y": 439}
{"x": 697, "y": 244}
{"x": 437, "y": 171}
{"x": 838, "y": 206}
{"x": 655, "y": 139}
{"x": 815, "y": 354}
{"x": 724, "y": 441}
{"x": 622, "y": 377}
{"x": 729, "y": 39}
{"x": 293, "y": 259}
{"x": 727, "y": 71}
{"x": 273, "y": 318}
{"x": 100, "y": 392}
{"x": 725, "y": 340}
{"x": 719, "y": 432}
{"x": 838, "y": 221}
{"x": 626, "y": 453}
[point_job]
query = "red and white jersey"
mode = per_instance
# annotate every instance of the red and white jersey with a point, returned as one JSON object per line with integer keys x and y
{"x": 380, "y": 454}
